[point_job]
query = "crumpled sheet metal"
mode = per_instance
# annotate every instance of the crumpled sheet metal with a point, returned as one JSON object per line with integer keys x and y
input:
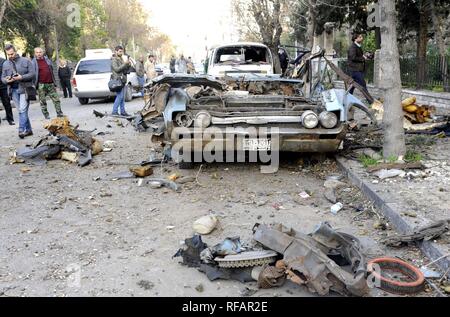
{"x": 428, "y": 233}
{"x": 307, "y": 258}
{"x": 63, "y": 137}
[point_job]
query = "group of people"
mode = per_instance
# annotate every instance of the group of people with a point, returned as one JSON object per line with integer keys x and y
{"x": 145, "y": 72}
{"x": 185, "y": 66}
{"x": 23, "y": 80}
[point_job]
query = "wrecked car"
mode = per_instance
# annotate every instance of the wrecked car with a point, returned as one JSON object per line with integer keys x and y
{"x": 247, "y": 114}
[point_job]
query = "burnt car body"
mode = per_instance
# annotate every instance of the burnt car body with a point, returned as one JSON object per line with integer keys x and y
{"x": 237, "y": 110}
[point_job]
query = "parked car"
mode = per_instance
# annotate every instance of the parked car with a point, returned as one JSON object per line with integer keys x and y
{"x": 164, "y": 68}
{"x": 92, "y": 74}
{"x": 239, "y": 59}
{"x": 159, "y": 70}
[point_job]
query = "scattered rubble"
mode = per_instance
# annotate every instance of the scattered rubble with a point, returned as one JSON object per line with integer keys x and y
{"x": 64, "y": 142}
{"x": 206, "y": 225}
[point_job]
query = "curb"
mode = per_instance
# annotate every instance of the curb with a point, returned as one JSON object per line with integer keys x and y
{"x": 393, "y": 214}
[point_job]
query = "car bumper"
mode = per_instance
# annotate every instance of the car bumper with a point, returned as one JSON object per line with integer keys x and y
{"x": 94, "y": 94}
{"x": 282, "y": 139}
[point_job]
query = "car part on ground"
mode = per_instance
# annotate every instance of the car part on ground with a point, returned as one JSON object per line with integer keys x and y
{"x": 272, "y": 276}
{"x": 63, "y": 138}
{"x": 391, "y": 274}
{"x": 324, "y": 261}
{"x": 247, "y": 259}
{"x": 312, "y": 260}
{"x": 427, "y": 233}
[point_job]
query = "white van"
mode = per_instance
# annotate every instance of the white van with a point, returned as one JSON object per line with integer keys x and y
{"x": 92, "y": 74}
{"x": 239, "y": 59}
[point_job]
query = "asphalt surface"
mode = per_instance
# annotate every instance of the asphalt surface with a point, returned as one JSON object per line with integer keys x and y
{"x": 68, "y": 231}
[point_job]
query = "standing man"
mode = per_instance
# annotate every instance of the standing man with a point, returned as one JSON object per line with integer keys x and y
{"x": 284, "y": 61}
{"x": 182, "y": 65}
{"x": 150, "y": 69}
{"x": 140, "y": 73}
{"x": 190, "y": 66}
{"x": 120, "y": 69}
{"x": 64, "y": 74}
{"x": 357, "y": 61}
{"x": 173, "y": 62}
{"x": 6, "y": 101}
{"x": 45, "y": 82}
{"x": 18, "y": 73}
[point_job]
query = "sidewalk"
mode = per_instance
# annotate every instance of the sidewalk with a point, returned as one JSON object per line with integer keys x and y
{"x": 415, "y": 200}
{"x": 436, "y": 99}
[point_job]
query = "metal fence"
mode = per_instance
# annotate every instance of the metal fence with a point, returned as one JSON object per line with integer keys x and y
{"x": 437, "y": 72}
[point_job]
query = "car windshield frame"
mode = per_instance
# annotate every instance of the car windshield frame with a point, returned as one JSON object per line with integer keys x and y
{"x": 91, "y": 67}
{"x": 251, "y": 55}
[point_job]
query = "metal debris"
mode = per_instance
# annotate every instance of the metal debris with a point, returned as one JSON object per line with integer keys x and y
{"x": 312, "y": 260}
{"x": 431, "y": 232}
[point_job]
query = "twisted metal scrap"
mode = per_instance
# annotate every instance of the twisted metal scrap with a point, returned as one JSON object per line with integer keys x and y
{"x": 431, "y": 232}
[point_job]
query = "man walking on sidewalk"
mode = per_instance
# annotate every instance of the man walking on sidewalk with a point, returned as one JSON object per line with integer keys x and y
{"x": 6, "y": 101}
{"x": 357, "y": 61}
{"x": 18, "y": 74}
{"x": 45, "y": 82}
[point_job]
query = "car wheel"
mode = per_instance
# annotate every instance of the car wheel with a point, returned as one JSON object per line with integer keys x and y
{"x": 83, "y": 101}
{"x": 128, "y": 93}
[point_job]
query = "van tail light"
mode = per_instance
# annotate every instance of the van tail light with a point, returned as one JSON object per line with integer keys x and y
{"x": 74, "y": 82}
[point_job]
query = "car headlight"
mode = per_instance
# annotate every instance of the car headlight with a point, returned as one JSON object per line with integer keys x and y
{"x": 203, "y": 120}
{"x": 328, "y": 120}
{"x": 310, "y": 120}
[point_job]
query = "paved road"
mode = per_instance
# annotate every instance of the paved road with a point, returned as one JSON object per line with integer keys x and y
{"x": 63, "y": 232}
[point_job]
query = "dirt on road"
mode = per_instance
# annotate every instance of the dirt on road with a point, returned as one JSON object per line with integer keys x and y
{"x": 67, "y": 231}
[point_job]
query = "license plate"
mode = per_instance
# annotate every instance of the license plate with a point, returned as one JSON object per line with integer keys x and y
{"x": 257, "y": 145}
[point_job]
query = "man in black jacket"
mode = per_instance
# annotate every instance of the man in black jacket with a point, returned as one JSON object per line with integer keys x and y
{"x": 64, "y": 74}
{"x": 357, "y": 61}
{"x": 6, "y": 100}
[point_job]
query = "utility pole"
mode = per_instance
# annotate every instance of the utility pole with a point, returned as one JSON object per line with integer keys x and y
{"x": 390, "y": 83}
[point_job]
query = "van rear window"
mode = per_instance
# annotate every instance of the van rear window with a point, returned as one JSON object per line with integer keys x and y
{"x": 95, "y": 66}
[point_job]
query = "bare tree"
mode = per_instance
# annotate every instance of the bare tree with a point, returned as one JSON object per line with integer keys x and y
{"x": 394, "y": 133}
{"x": 268, "y": 17}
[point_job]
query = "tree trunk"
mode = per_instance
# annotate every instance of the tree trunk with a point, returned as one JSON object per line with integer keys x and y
{"x": 440, "y": 41}
{"x": 49, "y": 50}
{"x": 311, "y": 27}
{"x": 394, "y": 133}
{"x": 422, "y": 42}
{"x": 276, "y": 59}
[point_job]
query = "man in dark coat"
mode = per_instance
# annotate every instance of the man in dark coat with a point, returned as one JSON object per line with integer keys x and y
{"x": 284, "y": 60}
{"x": 65, "y": 74}
{"x": 357, "y": 61}
{"x": 6, "y": 100}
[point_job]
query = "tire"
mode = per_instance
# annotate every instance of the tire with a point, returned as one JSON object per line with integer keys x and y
{"x": 83, "y": 101}
{"x": 129, "y": 93}
{"x": 415, "y": 285}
